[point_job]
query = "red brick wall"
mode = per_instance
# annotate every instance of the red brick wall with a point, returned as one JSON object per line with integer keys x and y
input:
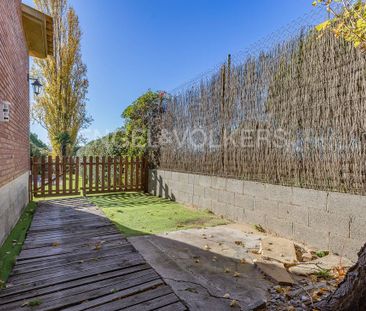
{"x": 14, "y": 66}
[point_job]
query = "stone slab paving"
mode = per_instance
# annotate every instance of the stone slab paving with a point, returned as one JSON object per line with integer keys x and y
{"x": 209, "y": 269}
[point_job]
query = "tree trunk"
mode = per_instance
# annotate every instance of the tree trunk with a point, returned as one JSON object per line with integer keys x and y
{"x": 351, "y": 292}
{"x": 63, "y": 150}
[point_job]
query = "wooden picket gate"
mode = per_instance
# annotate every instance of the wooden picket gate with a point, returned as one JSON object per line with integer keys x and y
{"x": 71, "y": 175}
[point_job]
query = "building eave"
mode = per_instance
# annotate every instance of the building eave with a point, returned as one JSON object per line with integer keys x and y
{"x": 38, "y": 30}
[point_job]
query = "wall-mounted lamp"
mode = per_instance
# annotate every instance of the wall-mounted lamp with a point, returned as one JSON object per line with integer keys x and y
{"x": 36, "y": 85}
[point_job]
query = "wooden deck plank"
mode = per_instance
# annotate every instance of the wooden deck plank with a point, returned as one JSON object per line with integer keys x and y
{"x": 119, "y": 295}
{"x": 67, "y": 257}
{"x": 68, "y": 243}
{"x": 154, "y": 303}
{"x": 69, "y": 295}
{"x": 177, "y": 306}
{"x": 71, "y": 260}
{"x": 66, "y": 278}
{"x": 32, "y": 261}
{"x": 68, "y": 240}
{"x": 84, "y": 233}
{"x": 55, "y": 251}
{"x": 74, "y": 283}
{"x": 135, "y": 302}
{"x": 143, "y": 284}
{"x": 65, "y": 270}
{"x": 74, "y": 258}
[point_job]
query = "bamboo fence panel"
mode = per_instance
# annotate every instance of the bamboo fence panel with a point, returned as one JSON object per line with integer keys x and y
{"x": 299, "y": 108}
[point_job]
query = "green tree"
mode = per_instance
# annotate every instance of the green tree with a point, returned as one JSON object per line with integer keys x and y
{"x": 37, "y": 147}
{"x": 64, "y": 140}
{"x": 112, "y": 145}
{"x": 348, "y": 20}
{"x": 139, "y": 118}
{"x": 61, "y": 108}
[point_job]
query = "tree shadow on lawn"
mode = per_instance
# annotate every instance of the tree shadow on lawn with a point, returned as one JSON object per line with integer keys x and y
{"x": 139, "y": 214}
{"x": 130, "y": 199}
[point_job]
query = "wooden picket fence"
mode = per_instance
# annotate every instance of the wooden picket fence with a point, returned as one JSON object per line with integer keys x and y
{"x": 88, "y": 175}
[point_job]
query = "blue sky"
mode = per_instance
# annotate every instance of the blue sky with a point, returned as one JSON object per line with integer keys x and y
{"x": 130, "y": 46}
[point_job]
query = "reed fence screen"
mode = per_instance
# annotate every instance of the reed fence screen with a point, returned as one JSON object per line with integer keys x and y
{"x": 293, "y": 115}
{"x": 73, "y": 175}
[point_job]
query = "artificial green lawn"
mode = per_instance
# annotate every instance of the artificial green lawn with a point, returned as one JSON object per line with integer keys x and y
{"x": 13, "y": 244}
{"x": 139, "y": 214}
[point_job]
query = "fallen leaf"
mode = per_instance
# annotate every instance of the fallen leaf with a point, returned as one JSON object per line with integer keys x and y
{"x": 227, "y": 295}
{"x": 313, "y": 278}
{"x": 279, "y": 289}
{"x": 243, "y": 261}
{"x": 191, "y": 290}
{"x": 32, "y": 303}
{"x": 227, "y": 270}
{"x": 233, "y": 303}
{"x": 236, "y": 274}
{"x": 259, "y": 228}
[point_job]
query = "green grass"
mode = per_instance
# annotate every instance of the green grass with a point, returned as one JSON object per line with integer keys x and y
{"x": 13, "y": 244}
{"x": 324, "y": 274}
{"x": 138, "y": 214}
{"x": 321, "y": 254}
{"x": 67, "y": 185}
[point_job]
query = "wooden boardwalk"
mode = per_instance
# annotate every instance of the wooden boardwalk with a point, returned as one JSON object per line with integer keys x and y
{"x": 75, "y": 259}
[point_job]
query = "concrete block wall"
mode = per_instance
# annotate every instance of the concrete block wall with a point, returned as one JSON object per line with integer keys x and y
{"x": 13, "y": 199}
{"x": 325, "y": 220}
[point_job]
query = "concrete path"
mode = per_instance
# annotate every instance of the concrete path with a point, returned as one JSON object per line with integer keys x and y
{"x": 209, "y": 269}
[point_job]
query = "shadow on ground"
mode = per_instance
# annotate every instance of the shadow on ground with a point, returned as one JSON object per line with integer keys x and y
{"x": 204, "y": 267}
